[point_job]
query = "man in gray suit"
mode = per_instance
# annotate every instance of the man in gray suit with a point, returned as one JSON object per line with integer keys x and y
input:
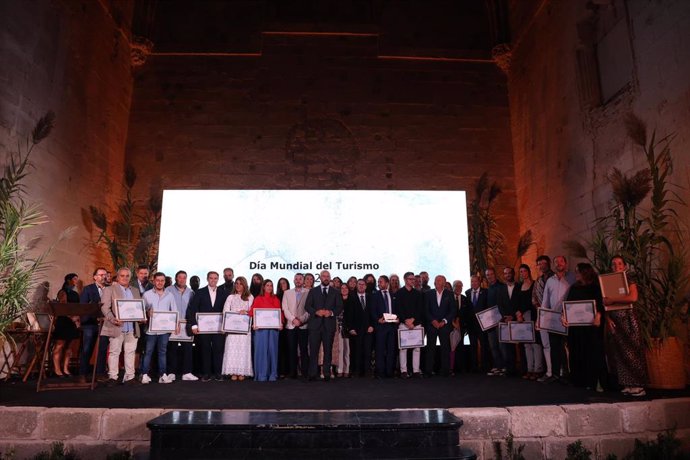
{"x": 324, "y": 304}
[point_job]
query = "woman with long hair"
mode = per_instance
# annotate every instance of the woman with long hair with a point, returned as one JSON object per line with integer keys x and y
{"x": 66, "y": 327}
{"x": 526, "y": 312}
{"x": 266, "y": 340}
{"x": 341, "y": 342}
{"x": 586, "y": 343}
{"x": 237, "y": 358}
{"x": 256, "y": 285}
{"x": 624, "y": 338}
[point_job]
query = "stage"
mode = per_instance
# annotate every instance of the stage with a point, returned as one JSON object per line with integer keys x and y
{"x": 465, "y": 390}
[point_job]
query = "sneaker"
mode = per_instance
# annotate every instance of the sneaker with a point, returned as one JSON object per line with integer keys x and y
{"x": 543, "y": 378}
{"x": 171, "y": 378}
{"x": 189, "y": 377}
{"x": 164, "y": 379}
{"x": 494, "y": 371}
{"x": 145, "y": 379}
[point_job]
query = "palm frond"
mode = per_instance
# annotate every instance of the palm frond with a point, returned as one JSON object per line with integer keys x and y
{"x": 629, "y": 191}
{"x": 524, "y": 243}
{"x": 43, "y": 127}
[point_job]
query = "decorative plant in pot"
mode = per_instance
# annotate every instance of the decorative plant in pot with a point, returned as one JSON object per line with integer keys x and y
{"x": 644, "y": 228}
{"x": 20, "y": 266}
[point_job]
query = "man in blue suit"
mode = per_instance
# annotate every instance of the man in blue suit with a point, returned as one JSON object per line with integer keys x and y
{"x": 209, "y": 299}
{"x": 324, "y": 304}
{"x": 383, "y": 302}
{"x": 478, "y": 299}
{"x": 89, "y": 327}
{"x": 440, "y": 310}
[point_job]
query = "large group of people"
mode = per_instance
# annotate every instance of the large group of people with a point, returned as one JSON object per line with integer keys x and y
{"x": 351, "y": 328}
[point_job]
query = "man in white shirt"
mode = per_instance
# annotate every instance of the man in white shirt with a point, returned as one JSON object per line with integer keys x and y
{"x": 157, "y": 300}
{"x": 183, "y": 295}
{"x": 296, "y": 328}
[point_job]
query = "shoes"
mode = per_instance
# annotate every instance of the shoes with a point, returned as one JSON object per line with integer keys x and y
{"x": 145, "y": 379}
{"x": 164, "y": 379}
{"x": 494, "y": 371}
{"x": 637, "y": 392}
{"x": 132, "y": 382}
{"x": 205, "y": 378}
{"x": 233, "y": 378}
{"x": 404, "y": 375}
{"x": 240, "y": 377}
{"x": 171, "y": 378}
{"x": 111, "y": 383}
{"x": 550, "y": 379}
{"x": 218, "y": 378}
{"x": 418, "y": 375}
{"x": 543, "y": 378}
{"x": 189, "y": 377}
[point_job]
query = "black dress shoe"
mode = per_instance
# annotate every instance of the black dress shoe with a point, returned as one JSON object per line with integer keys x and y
{"x": 326, "y": 378}
{"x": 219, "y": 378}
{"x": 205, "y": 378}
{"x": 111, "y": 383}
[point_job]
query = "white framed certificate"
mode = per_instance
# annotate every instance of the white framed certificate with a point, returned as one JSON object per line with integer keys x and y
{"x": 163, "y": 321}
{"x": 579, "y": 312}
{"x": 489, "y": 318}
{"x": 209, "y": 323}
{"x": 550, "y": 320}
{"x": 521, "y": 332}
{"x": 410, "y": 338}
{"x": 267, "y": 318}
{"x": 504, "y": 333}
{"x": 130, "y": 310}
{"x": 236, "y": 323}
{"x": 390, "y": 317}
{"x": 614, "y": 285}
{"x": 182, "y": 336}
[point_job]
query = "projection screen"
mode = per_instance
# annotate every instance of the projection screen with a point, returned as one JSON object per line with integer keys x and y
{"x": 281, "y": 232}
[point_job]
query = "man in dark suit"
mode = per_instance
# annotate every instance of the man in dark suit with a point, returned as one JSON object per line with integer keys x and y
{"x": 228, "y": 281}
{"x": 89, "y": 327}
{"x": 209, "y": 299}
{"x": 409, "y": 306}
{"x": 382, "y": 301}
{"x": 477, "y": 297}
{"x": 497, "y": 295}
{"x": 440, "y": 310}
{"x": 324, "y": 304}
{"x": 360, "y": 328}
{"x": 464, "y": 312}
{"x": 513, "y": 287}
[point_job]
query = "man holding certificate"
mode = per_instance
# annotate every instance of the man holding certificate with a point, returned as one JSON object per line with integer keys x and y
{"x": 409, "y": 304}
{"x": 323, "y": 305}
{"x": 123, "y": 334}
{"x": 158, "y": 301}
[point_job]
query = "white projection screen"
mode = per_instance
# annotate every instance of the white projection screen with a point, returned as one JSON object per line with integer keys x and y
{"x": 281, "y": 232}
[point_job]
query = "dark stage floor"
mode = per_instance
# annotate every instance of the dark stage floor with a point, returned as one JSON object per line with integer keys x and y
{"x": 355, "y": 393}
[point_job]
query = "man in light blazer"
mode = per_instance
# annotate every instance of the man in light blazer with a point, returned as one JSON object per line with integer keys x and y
{"x": 296, "y": 318}
{"x": 209, "y": 299}
{"x": 123, "y": 334}
{"x": 440, "y": 312}
{"x": 324, "y": 304}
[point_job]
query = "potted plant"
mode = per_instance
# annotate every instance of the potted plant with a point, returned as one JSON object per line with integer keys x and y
{"x": 642, "y": 226}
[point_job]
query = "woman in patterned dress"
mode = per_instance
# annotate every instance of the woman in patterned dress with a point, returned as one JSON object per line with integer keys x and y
{"x": 237, "y": 359}
{"x": 625, "y": 347}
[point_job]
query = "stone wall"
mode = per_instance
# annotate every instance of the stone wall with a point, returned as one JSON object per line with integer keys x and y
{"x": 544, "y": 430}
{"x": 72, "y": 57}
{"x": 567, "y": 127}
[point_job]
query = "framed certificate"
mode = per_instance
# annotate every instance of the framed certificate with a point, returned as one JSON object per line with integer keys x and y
{"x": 267, "y": 318}
{"x": 521, "y": 332}
{"x": 489, "y": 318}
{"x": 182, "y": 336}
{"x": 579, "y": 312}
{"x": 390, "y": 317}
{"x": 504, "y": 333}
{"x": 550, "y": 320}
{"x": 410, "y": 338}
{"x": 209, "y": 323}
{"x": 38, "y": 322}
{"x": 236, "y": 323}
{"x": 130, "y": 310}
{"x": 614, "y": 285}
{"x": 163, "y": 321}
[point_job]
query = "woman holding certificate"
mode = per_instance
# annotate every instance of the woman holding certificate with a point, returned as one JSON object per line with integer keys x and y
{"x": 268, "y": 320}
{"x": 527, "y": 312}
{"x": 584, "y": 308}
{"x": 624, "y": 344}
{"x": 237, "y": 357}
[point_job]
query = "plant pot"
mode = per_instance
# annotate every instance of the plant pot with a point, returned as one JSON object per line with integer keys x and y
{"x": 665, "y": 364}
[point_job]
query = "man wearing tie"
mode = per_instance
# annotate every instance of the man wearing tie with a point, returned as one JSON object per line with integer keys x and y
{"x": 323, "y": 304}
{"x": 360, "y": 328}
{"x": 440, "y": 311}
{"x": 209, "y": 299}
{"x": 382, "y": 302}
{"x": 478, "y": 298}
{"x": 89, "y": 326}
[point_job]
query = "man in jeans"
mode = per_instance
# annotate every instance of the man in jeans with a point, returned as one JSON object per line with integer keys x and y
{"x": 157, "y": 300}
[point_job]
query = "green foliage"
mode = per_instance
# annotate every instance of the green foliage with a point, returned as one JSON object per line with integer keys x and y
{"x": 19, "y": 271}
{"x": 487, "y": 243}
{"x": 57, "y": 452}
{"x": 122, "y": 455}
{"x": 646, "y": 233}
{"x": 511, "y": 452}
{"x": 577, "y": 451}
{"x": 666, "y": 447}
{"x": 132, "y": 238}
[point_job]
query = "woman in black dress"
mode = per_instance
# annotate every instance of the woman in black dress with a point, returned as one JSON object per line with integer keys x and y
{"x": 66, "y": 328}
{"x": 586, "y": 343}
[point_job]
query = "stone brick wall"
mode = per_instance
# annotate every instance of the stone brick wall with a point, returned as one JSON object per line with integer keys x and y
{"x": 564, "y": 145}
{"x": 544, "y": 430}
{"x": 73, "y": 58}
{"x": 321, "y": 112}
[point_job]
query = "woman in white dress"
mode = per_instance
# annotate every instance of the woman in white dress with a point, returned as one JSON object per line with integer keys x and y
{"x": 237, "y": 359}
